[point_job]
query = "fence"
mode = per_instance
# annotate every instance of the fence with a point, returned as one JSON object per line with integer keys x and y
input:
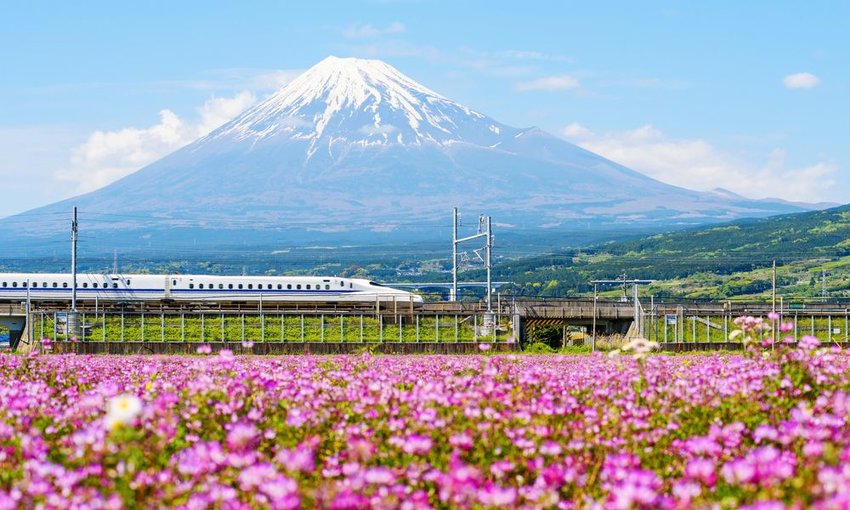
{"x": 682, "y": 326}
{"x": 110, "y": 326}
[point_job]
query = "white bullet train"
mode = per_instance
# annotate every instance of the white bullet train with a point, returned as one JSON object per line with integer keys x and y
{"x": 152, "y": 287}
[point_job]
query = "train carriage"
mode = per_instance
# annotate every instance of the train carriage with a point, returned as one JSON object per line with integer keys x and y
{"x": 146, "y": 287}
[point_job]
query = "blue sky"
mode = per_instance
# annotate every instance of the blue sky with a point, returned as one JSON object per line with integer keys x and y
{"x": 749, "y": 96}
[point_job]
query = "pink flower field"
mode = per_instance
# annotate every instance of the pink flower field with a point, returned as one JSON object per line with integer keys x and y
{"x": 758, "y": 430}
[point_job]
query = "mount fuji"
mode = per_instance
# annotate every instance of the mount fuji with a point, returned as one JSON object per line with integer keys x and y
{"x": 352, "y": 148}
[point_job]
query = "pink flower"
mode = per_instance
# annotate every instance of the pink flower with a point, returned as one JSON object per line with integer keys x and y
{"x": 379, "y": 476}
{"x": 484, "y": 347}
{"x": 241, "y": 436}
{"x": 349, "y": 500}
{"x": 702, "y": 470}
{"x": 808, "y": 343}
{"x": 550, "y": 448}
{"x": 493, "y": 495}
{"x": 416, "y": 444}
{"x": 302, "y": 459}
{"x": 204, "y": 349}
{"x": 462, "y": 441}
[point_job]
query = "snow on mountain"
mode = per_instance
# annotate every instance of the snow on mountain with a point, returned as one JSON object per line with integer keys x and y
{"x": 363, "y": 102}
{"x": 354, "y": 144}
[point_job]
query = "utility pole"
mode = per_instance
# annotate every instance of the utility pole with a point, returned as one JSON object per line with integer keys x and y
{"x": 74, "y": 262}
{"x": 114, "y": 261}
{"x": 73, "y": 318}
{"x": 773, "y": 291}
{"x": 29, "y": 322}
{"x": 593, "y": 331}
{"x": 488, "y": 263}
{"x": 638, "y": 321}
{"x": 485, "y": 230}
{"x": 774, "y": 324}
{"x": 453, "y": 293}
{"x": 823, "y": 285}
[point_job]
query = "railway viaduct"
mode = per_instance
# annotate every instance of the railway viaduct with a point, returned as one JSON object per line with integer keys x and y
{"x": 679, "y": 323}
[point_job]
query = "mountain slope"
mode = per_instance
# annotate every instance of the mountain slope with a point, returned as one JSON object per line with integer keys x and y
{"x": 357, "y": 150}
{"x": 723, "y": 261}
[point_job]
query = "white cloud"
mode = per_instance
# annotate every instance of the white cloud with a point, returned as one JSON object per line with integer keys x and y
{"x": 801, "y": 81}
{"x": 576, "y": 131}
{"x": 549, "y": 83}
{"x": 534, "y": 55}
{"x": 109, "y": 155}
{"x": 698, "y": 164}
{"x": 369, "y": 31}
{"x": 218, "y": 110}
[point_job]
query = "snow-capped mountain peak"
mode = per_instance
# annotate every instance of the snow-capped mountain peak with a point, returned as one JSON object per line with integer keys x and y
{"x": 360, "y": 101}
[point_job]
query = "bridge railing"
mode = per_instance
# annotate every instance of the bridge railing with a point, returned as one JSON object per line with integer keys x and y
{"x": 279, "y": 326}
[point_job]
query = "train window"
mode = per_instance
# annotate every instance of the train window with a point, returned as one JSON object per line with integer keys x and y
{"x": 350, "y": 285}
{"x": 64, "y": 285}
{"x": 173, "y": 282}
{"x": 191, "y": 285}
{"x": 298, "y": 286}
{"x": 94, "y": 285}
{"x": 240, "y": 285}
{"x": 200, "y": 285}
{"x": 308, "y": 286}
{"x": 342, "y": 284}
{"x": 327, "y": 287}
{"x": 14, "y": 284}
{"x": 229, "y": 285}
{"x": 128, "y": 283}
{"x": 55, "y": 285}
{"x": 288, "y": 285}
{"x": 220, "y": 285}
{"x": 85, "y": 285}
{"x": 279, "y": 286}
{"x": 44, "y": 284}
{"x": 114, "y": 285}
{"x": 250, "y": 285}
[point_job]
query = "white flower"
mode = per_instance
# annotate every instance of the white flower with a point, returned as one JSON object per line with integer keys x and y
{"x": 121, "y": 410}
{"x": 639, "y": 347}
